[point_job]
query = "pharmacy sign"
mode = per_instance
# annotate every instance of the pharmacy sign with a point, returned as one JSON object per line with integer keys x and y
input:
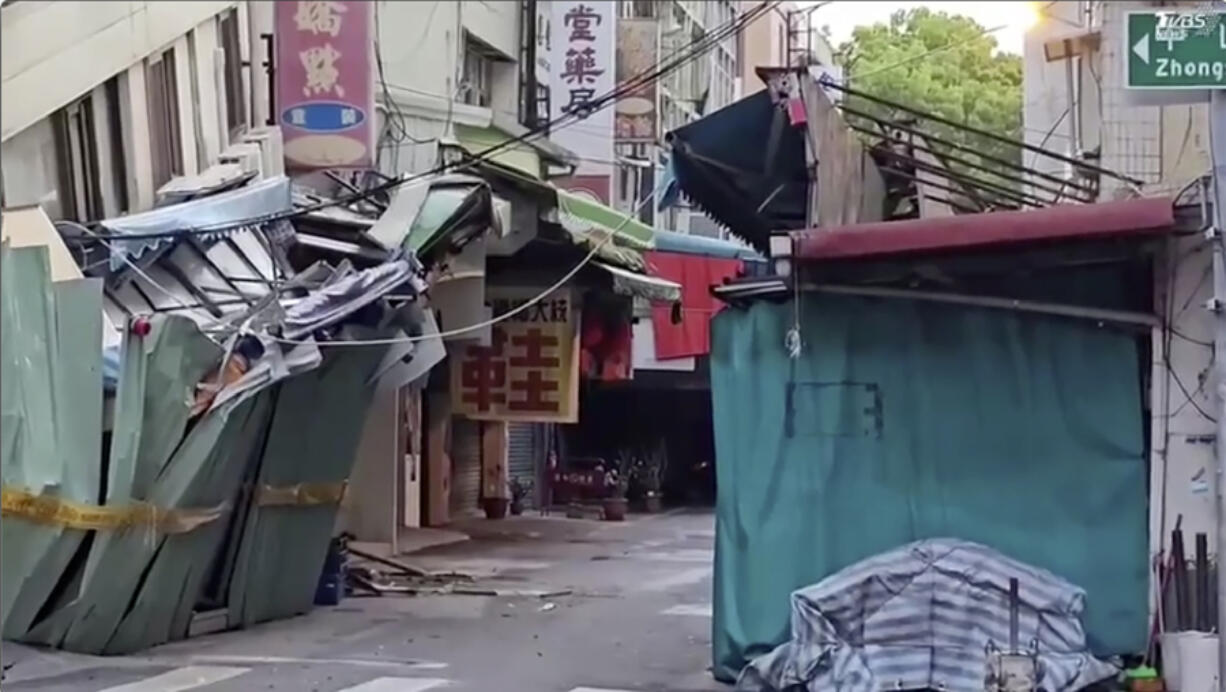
{"x": 1177, "y": 49}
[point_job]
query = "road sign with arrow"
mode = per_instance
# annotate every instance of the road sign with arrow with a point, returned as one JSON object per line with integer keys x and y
{"x": 1176, "y": 50}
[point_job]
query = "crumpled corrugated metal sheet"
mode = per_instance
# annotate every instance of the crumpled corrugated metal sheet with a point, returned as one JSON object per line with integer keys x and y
{"x": 265, "y": 197}
{"x": 921, "y": 617}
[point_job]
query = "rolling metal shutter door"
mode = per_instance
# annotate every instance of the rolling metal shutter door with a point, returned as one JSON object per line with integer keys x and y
{"x": 465, "y": 466}
{"x": 522, "y": 457}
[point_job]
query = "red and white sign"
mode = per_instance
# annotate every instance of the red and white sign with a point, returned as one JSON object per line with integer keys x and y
{"x": 325, "y": 84}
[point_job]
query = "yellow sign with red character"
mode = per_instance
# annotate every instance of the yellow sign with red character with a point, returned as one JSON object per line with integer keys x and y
{"x": 530, "y": 370}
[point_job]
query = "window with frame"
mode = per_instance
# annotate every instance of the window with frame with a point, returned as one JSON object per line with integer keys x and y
{"x": 77, "y": 154}
{"x": 165, "y": 138}
{"x": 478, "y": 76}
{"x": 236, "y": 102}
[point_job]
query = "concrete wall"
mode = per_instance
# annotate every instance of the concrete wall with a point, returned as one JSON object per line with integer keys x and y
{"x": 421, "y": 45}
{"x": 57, "y": 52}
{"x": 54, "y": 52}
{"x": 1182, "y": 474}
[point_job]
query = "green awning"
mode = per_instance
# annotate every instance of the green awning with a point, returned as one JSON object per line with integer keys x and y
{"x": 521, "y": 157}
{"x": 580, "y": 214}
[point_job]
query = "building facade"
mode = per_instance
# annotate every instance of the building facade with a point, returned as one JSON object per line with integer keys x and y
{"x": 105, "y": 103}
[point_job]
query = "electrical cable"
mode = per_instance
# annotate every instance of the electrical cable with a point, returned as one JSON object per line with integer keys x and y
{"x": 925, "y": 54}
{"x": 676, "y": 60}
{"x": 498, "y": 318}
{"x": 395, "y": 115}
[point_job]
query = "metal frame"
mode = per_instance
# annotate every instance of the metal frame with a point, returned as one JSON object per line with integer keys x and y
{"x": 1120, "y": 317}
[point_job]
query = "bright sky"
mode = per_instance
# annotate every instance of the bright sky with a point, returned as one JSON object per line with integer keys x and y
{"x": 844, "y": 15}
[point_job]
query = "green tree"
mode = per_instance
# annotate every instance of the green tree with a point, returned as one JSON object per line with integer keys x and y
{"x": 942, "y": 64}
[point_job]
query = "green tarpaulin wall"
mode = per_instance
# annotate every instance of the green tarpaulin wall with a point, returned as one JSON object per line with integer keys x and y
{"x": 904, "y": 420}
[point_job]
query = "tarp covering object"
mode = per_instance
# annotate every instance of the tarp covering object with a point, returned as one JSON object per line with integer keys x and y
{"x": 903, "y": 420}
{"x": 925, "y": 616}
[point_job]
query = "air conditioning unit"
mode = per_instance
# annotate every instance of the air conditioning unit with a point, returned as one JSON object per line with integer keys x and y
{"x": 272, "y": 149}
{"x": 245, "y": 154}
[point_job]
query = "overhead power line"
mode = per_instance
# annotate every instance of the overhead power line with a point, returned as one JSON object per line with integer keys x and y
{"x": 925, "y": 54}
{"x": 677, "y": 59}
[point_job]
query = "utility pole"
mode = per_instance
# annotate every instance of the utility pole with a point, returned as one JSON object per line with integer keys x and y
{"x": 1217, "y": 139}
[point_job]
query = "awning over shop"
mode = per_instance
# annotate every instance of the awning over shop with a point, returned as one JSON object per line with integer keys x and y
{"x": 259, "y": 199}
{"x": 522, "y": 157}
{"x": 628, "y": 283}
{"x": 458, "y": 207}
{"x": 744, "y": 165}
{"x": 580, "y": 214}
{"x": 990, "y": 230}
{"x": 687, "y": 244}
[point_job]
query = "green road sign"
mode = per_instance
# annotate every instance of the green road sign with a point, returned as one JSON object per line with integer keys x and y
{"x": 1176, "y": 50}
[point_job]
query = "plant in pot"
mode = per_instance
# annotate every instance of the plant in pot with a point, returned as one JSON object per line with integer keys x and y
{"x": 651, "y": 474}
{"x": 617, "y": 482}
{"x": 519, "y": 490}
{"x": 495, "y": 507}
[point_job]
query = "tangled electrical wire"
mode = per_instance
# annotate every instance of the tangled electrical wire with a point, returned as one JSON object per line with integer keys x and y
{"x": 675, "y": 61}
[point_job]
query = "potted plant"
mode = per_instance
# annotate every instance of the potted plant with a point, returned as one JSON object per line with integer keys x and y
{"x": 650, "y": 470}
{"x": 652, "y": 500}
{"x": 495, "y": 507}
{"x": 519, "y": 490}
{"x": 617, "y": 482}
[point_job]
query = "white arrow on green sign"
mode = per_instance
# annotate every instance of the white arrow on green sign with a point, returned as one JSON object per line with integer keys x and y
{"x": 1176, "y": 50}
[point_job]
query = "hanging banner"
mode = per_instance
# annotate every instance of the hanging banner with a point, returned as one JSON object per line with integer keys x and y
{"x": 635, "y": 116}
{"x": 530, "y": 370}
{"x": 325, "y": 84}
{"x": 583, "y": 70}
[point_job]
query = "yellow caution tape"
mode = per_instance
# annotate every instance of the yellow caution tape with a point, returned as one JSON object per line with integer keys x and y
{"x": 303, "y": 494}
{"x": 57, "y": 511}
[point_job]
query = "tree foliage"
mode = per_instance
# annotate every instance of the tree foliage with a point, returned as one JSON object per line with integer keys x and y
{"x": 942, "y": 64}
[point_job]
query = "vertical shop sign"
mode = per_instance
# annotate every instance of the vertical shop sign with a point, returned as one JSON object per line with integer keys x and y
{"x": 325, "y": 85}
{"x": 636, "y": 55}
{"x": 530, "y": 370}
{"x": 583, "y": 71}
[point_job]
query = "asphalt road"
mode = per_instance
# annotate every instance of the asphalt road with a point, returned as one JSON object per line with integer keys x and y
{"x": 638, "y": 618}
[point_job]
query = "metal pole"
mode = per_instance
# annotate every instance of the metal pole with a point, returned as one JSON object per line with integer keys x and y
{"x": 1217, "y": 139}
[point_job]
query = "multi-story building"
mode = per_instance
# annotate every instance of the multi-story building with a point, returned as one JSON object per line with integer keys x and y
{"x": 649, "y": 32}
{"x": 454, "y": 71}
{"x": 107, "y": 102}
{"x": 783, "y": 37}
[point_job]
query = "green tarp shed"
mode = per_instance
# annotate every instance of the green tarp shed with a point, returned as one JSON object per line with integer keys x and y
{"x": 903, "y": 420}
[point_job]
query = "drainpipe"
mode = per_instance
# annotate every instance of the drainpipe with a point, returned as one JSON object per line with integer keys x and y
{"x": 1217, "y": 139}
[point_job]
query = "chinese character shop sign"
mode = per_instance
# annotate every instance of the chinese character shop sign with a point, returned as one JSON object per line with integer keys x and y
{"x": 530, "y": 370}
{"x": 325, "y": 87}
{"x": 583, "y": 57}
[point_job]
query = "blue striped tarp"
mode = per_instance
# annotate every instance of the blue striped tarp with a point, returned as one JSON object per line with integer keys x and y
{"x": 922, "y": 617}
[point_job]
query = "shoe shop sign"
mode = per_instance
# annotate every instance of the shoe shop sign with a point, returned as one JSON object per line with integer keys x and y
{"x": 530, "y": 369}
